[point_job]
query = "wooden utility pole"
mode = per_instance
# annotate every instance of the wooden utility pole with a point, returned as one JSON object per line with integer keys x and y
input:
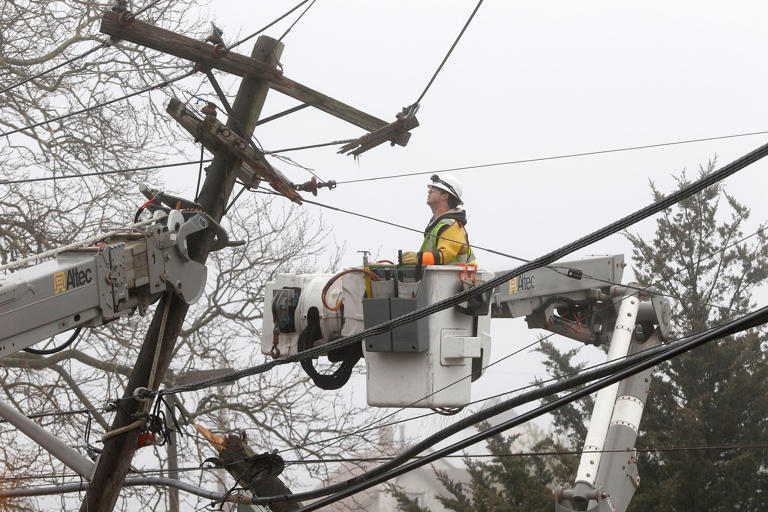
{"x": 115, "y": 460}
{"x": 232, "y": 159}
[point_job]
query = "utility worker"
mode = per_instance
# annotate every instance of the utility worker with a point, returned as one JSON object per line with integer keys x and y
{"x": 445, "y": 239}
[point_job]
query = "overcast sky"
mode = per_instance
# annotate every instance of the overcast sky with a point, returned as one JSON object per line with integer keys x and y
{"x": 528, "y": 80}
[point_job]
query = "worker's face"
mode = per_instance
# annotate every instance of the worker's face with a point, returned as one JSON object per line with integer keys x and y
{"x": 435, "y": 196}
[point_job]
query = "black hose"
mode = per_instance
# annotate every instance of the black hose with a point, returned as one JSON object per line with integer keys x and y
{"x": 341, "y": 375}
{"x": 49, "y": 351}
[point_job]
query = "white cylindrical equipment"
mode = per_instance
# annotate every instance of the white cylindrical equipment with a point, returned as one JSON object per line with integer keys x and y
{"x": 606, "y": 397}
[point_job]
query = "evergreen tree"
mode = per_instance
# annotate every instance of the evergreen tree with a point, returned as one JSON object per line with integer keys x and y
{"x": 508, "y": 482}
{"x": 715, "y": 395}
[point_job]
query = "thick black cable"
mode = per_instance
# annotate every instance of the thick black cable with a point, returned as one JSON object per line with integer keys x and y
{"x": 43, "y": 73}
{"x": 445, "y": 59}
{"x": 460, "y": 425}
{"x": 158, "y": 85}
{"x": 534, "y": 454}
{"x": 547, "y": 259}
{"x": 50, "y": 414}
{"x": 265, "y": 27}
{"x": 636, "y": 290}
{"x": 562, "y": 385}
{"x": 49, "y": 351}
{"x": 747, "y": 321}
{"x": 234, "y": 200}
{"x": 556, "y": 157}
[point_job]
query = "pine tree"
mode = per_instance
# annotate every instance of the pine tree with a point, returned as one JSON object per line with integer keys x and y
{"x": 713, "y": 396}
{"x": 508, "y": 482}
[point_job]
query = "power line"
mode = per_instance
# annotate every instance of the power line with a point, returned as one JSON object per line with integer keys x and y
{"x": 265, "y": 27}
{"x": 102, "y": 173}
{"x": 43, "y": 73}
{"x": 702, "y": 258}
{"x": 637, "y": 290}
{"x": 555, "y": 157}
{"x": 554, "y": 268}
{"x": 550, "y": 453}
{"x": 295, "y": 21}
{"x": 374, "y": 426}
{"x": 620, "y": 372}
{"x": 158, "y": 85}
{"x": 527, "y": 454}
{"x": 104, "y": 44}
{"x": 547, "y": 259}
{"x": 445, "y": 59}
{"x": 402, "y": 175}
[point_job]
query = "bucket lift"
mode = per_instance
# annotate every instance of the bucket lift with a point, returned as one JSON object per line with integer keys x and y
{"x": 411, "y": 365}
{"x": 431, "y": 362}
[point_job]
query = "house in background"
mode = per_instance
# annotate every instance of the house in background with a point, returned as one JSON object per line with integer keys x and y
{"x": 420, "y": 484}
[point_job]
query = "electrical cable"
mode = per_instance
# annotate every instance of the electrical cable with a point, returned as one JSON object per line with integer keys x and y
{"x": 445, "y": 59}
{"x": 367, "y": 428}
{"x": 265, "y": 27}
{"x": 57, "y": 413}
{"x": 294, "y": 163}
{"x": 49, "y": 351}
{"x": 562, "y": 385}
{"x": 547, "y": 259}
{"x": 556, "y": 157}
{"x": 532, "y": 454}
{"x": 43, "y": 73}
{"x": 146, "y": 7}
{"x": 103, "y": 173}
{"x": 158, "y": 85}
{"x": 295, "y": 22}
{"x": 636, "y": 291}
{"x": 428, "y": 414}
{"x": 363, "y": 482}
{"x": 104, "y": 44}
{"x": 330, "y": 441}
{"x": 392, "y": 176}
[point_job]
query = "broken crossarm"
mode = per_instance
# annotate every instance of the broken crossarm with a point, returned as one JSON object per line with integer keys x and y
{"x": 215, "y": 136}
{"x": 392, "y": 133}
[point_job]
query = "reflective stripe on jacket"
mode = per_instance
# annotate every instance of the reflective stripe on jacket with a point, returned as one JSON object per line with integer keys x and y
{"x": 435, "y": 244}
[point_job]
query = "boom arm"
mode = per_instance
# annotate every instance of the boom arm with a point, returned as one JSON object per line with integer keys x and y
{"x": 90, "y": 286}
{"x": 580, "y": 300}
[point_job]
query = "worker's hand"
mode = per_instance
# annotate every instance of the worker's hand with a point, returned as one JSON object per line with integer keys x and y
{"x": 410, "y": 258}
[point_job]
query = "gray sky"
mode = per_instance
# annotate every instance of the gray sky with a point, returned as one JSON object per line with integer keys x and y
{"x": 527, "y": 80}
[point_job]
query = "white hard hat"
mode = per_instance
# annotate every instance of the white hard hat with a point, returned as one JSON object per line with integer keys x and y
{"x": 448, "y": 183}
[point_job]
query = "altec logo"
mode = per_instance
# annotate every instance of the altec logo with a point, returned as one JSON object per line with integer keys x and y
{"x": 522, "y": 283}
{"x": 71, "y": 279}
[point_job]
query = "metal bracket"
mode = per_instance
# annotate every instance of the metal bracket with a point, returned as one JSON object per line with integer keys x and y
{"x": 193, "y": 225}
